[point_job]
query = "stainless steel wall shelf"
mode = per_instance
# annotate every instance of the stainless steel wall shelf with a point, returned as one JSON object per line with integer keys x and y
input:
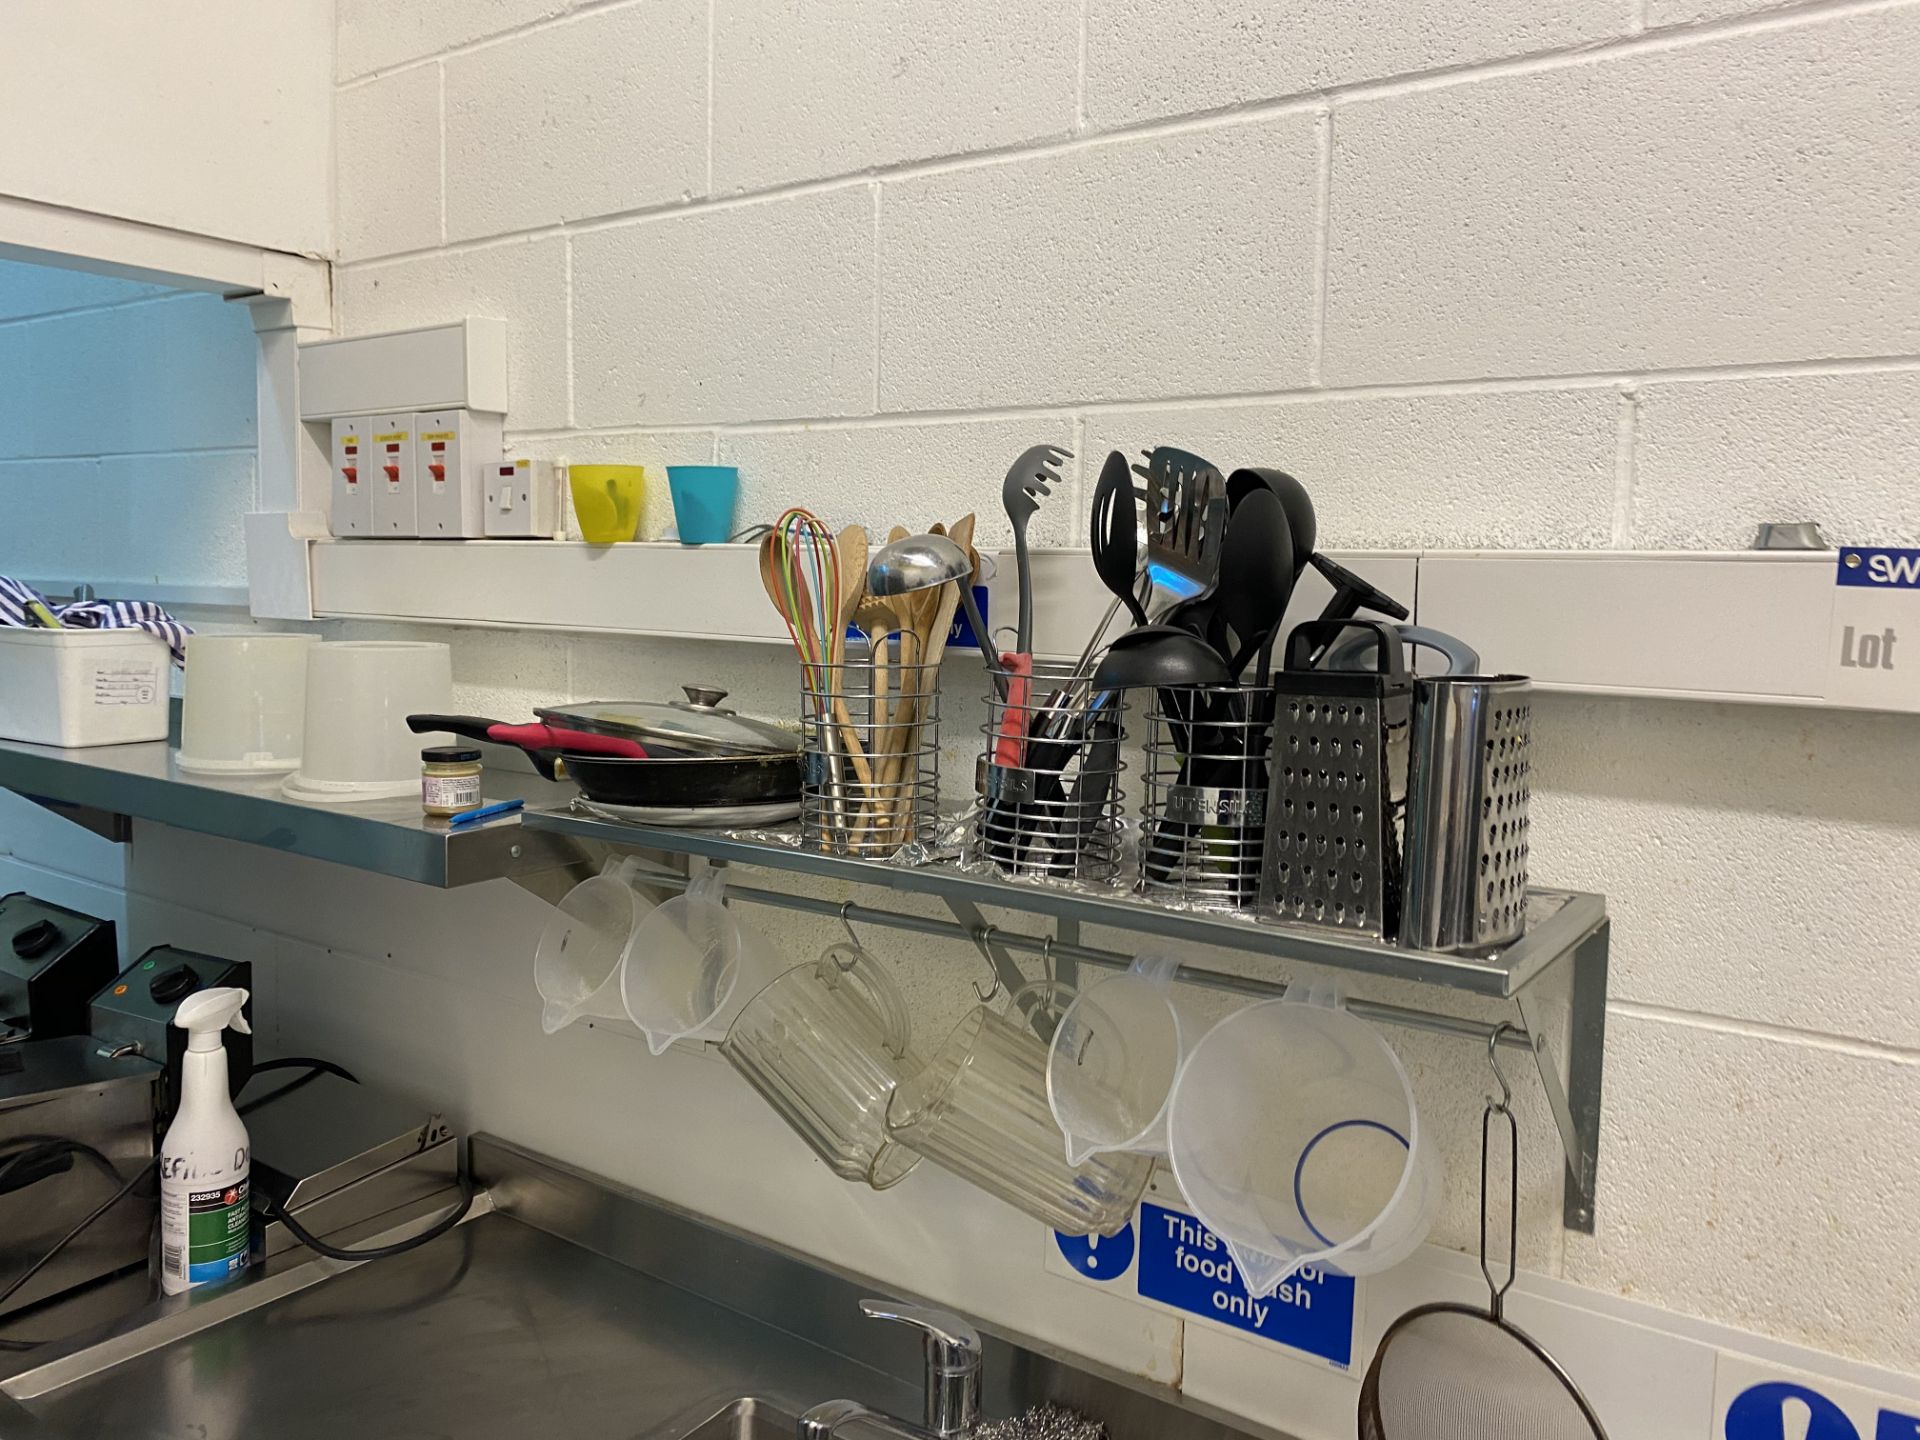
{"x": 105, "y": 787}
{"x": 1555, "y": 974}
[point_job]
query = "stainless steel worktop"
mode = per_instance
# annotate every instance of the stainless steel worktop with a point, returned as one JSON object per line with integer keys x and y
{"x": 494, "y": 1330}
{"x": 567, "y": 1308}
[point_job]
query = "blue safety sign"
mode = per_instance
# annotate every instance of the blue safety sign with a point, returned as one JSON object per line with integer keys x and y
{"x": 1169, "y": 1259}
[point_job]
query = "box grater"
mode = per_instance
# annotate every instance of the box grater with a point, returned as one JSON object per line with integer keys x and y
{"x": 1469, "y": 792}
{"x": 1337, "y": 793}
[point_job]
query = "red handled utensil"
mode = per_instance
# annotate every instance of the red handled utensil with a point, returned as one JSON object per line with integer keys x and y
{"x": 529, "y": 737}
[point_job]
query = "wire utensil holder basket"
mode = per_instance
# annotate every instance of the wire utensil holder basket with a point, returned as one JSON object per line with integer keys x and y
{"x": 1204, "y": 820}
{"x": 872, "y": 755}
{"x": 1049, "y": 782}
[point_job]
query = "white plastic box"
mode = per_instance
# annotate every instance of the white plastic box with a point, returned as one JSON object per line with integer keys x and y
{"x": 83, "y": 687}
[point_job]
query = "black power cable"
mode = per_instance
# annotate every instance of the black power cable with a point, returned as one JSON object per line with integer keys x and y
{"x": 75, "y": 1233}
{"x": 44, "y": 1145}
{"x": 276, "y": 1211}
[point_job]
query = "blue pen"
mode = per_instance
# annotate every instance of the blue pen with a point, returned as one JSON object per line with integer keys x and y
{"x": 485, "y": 812}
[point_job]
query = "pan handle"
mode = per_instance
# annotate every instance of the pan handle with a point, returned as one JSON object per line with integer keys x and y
{"x": 476, "y": 727}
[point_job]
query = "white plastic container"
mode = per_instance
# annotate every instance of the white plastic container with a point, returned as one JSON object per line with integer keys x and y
{"x": 246, "y": 705}
{"x": 1294, "y": 1135}
{"x": 83, "y": 687}
{"x": 1114, "y": 1057}
{"x": 359, "y": 694}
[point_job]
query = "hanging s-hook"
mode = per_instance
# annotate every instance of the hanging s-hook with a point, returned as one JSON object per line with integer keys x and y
{"x": 1503, "y": 1107}
{"x": 847, "y": 925}
{"x": 983, "y": 938}
{"x": 1046, "y": 958}
{"x": 1500, "y": 1031}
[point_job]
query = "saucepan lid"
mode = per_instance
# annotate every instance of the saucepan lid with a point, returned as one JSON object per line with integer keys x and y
{"x": 697, "y": 725}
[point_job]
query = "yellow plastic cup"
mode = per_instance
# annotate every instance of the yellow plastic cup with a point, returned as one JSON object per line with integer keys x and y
{"x": 606, "y": 499}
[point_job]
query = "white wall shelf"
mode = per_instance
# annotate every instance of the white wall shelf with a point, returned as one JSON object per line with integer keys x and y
{"x": 1751, "y": 627}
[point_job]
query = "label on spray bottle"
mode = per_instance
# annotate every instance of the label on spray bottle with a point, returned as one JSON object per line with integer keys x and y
{"x": 203, "y": 1233}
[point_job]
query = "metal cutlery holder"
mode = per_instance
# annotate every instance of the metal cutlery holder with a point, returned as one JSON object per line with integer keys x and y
{"x": 1204, "y": 818}
{"x": 872, "y": 762}
{"x": 1469, "y": 790}
{"x": 1049, "y": 782}
{"x": 1337, "y": 801}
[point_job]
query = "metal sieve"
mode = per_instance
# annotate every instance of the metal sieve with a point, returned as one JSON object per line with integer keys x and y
{"x": 1453, "y": 1372}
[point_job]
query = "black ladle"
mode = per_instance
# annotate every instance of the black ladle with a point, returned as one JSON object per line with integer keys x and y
{"x": 1256, "y": 575}
{"x": 1159, "y": 657}
{"x": 1294, "y": 500}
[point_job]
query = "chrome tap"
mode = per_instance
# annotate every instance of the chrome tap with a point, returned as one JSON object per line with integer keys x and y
{"x": 953, "y": 1380}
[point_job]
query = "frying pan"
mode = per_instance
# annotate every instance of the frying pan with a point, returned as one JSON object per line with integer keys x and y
{"x": 626, "y": 779}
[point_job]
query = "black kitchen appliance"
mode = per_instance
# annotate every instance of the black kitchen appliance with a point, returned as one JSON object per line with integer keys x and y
{"x": 51, "y": 960}
{"x": 134, "y": 1015}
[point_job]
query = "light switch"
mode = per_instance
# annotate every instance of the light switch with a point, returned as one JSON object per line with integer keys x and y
{"x": 523, "y": 500}
{"x": 351, "y": 509}
{"x": 452, "y": 452}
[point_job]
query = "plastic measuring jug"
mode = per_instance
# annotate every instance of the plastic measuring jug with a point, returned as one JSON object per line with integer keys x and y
{"x": 576, "y": 966}
{"x": 979, "y": 1109}
{"x": 825, "y": 1045}
{"x": 1295, "y": 1137}
{"x": 1114, "y": 1058}
{"x": 690, "y": 966}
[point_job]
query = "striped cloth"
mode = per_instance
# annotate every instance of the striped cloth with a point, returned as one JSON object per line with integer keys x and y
{"x": 17, "y": 599}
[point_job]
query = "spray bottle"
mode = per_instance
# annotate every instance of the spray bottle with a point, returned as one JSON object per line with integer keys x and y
{"x": 205, "y": 1218}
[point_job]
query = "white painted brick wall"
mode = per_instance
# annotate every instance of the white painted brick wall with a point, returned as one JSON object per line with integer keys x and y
{"x": 857, "y": 474}
{"x": 1538, "y": 274}
{"x": 126, "y": 431}
{"x": 1710, "y": 457}
{"x": 376, "y": 34}
{"x": 1137, "y": 269}
{"x": 604, "y": 114}
{"x": 1512, "y": 469}
{"x": 803, "y": 90}
{"x": 1731, "y": 199}
{"x": 386, "y": 157}
{"x": 751, "y": 312}
{"x": 1152, "y": 58}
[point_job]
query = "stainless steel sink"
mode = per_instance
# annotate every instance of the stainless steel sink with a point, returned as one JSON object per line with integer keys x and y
{"x": 745, "y": 1419}
{"x": 563, "y": 1306}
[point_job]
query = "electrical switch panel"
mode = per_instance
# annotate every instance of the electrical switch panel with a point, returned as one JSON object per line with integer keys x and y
{"x": 351, "y": 512}
{"x": 453, "y": 452}
{"x": 396, "y": 497}
{"x": 523, "y": 500}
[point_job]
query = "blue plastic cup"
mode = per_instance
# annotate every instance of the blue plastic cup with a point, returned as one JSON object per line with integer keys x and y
{"x": 703, "y": 501}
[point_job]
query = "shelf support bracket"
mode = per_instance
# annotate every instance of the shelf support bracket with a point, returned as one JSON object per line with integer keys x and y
{"x": 1066, "y": 969}
{"x": 1565, "y": 1012}
{"x": 107, "y": 824}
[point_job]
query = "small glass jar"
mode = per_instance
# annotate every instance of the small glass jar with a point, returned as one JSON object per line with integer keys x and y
{"x": 449, "y": 779}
